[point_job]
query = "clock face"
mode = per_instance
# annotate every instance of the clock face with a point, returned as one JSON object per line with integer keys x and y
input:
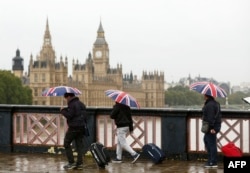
{"x": 98, "y": 54}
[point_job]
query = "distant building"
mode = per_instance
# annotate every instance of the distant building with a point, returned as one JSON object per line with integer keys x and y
{"x": 92, "y": 77}
{"x": 243, "y": 87}
{"x": 187, "y": 81}
{"x": 17, "y": 65}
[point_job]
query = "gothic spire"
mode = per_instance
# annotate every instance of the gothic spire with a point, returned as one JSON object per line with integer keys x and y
{"x": 100, "y": 40}
{"x": 47, "y": 37}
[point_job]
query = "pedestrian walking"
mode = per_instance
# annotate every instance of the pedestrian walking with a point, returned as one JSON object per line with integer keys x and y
{"x": 75, "y": 114}
{"x": 122, "y": 116}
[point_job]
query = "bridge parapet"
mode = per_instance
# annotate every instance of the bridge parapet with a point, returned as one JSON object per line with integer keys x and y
{"x": 177, "y": 131}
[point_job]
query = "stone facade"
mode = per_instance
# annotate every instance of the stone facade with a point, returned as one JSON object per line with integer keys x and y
{"x": 92, "y": 77}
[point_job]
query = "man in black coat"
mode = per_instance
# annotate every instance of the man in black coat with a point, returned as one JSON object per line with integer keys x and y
{"x": 212, "y": 114}
{"x": 75, "y": 114}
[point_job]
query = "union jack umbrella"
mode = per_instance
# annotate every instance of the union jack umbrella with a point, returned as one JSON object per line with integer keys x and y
{"x": 208, "y": 88}
{"x": 123, "y": 98}
{"x": 60, "y": 90}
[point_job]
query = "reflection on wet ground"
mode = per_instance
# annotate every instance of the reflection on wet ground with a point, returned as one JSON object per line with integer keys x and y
{"x": 48, "y": 163}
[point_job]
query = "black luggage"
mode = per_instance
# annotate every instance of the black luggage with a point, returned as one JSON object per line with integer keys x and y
{"x": 154, "y": 152}
{"x": 100, "y": 154}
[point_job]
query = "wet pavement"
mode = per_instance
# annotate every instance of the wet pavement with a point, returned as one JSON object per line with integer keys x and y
{"x": 49, "y": 163}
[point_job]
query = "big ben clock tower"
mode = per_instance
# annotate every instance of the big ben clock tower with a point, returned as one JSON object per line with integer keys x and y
{"x": 100, "y": 53}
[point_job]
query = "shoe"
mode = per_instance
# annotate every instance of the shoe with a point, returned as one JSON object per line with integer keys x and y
{"x": 210, "y": 165}
{"x": 70, "y": 166}
{"x": 136, "y": 156}
{"x": 79, "y": 167}
{"x": 116, "y": 160}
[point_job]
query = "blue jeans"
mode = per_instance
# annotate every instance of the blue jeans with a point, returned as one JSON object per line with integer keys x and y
{"x": 211, "y": 147}
{"x": 77, "y": 136}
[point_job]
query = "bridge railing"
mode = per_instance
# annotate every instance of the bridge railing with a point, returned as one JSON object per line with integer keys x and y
{"x": 177, "y": 131}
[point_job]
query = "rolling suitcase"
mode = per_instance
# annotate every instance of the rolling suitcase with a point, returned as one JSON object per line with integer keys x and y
{"x": 154, "y": 152}
{"x": 100, "y": 154}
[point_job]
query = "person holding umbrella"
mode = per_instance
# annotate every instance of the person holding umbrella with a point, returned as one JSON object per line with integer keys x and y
{"x": 211, "y": 114}
{"x": 75, "y": 114}
{"x": 121, "y": 114}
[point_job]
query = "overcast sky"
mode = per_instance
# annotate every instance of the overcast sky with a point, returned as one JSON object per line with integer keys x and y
{"x": 210, "y": 38}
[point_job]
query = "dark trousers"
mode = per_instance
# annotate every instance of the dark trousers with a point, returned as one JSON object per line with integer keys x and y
{"x": 77, "y": 136}
{"x": 211, "y": 147}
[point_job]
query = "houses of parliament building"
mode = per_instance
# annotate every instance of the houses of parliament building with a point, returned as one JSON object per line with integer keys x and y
{"x": 92, "y": 77}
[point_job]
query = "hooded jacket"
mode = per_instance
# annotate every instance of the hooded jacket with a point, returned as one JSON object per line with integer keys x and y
{"x": 212, "y": 114}
{"x": 75, "y": 113}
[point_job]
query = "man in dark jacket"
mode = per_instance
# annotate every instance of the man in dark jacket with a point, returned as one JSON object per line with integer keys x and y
{"x": 212, "y": 114}
{"x": 75, "y": 114}
{"x": 122, "y": 116}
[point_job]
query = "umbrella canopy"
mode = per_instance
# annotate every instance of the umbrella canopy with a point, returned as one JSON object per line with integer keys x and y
{"x": 208, "y": 88}
{"x": 246, "y": 99}
{"x": 123, "y": 98}
{"x": 60, "y": 90}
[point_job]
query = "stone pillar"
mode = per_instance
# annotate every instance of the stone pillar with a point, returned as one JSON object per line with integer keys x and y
{"x": 174, "y": 142}
{"x": 5, "y": 129}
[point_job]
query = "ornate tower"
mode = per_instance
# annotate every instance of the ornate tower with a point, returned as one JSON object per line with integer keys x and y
{"x": 17, "y": 66}
{"x": 100, "y": 53}
{"x": 153, "y": 87}
{"x": 45, "y": 72}
{"x": 47, "y": 52}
